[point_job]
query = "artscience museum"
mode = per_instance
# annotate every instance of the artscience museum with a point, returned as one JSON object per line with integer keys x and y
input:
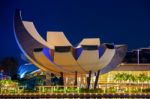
{"x": 58, "y": 56}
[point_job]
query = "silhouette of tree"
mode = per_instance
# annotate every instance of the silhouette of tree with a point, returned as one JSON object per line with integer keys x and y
{"x": 10, "y": 66}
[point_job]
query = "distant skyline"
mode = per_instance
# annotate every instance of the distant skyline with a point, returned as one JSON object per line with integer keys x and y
{"x": 113, "y": 21}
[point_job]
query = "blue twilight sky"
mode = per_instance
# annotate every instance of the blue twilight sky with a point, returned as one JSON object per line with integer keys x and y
{"x": 114, "y": 21}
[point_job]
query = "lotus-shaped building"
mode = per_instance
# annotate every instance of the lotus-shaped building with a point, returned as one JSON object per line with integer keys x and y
{"x": 57, "y": 55}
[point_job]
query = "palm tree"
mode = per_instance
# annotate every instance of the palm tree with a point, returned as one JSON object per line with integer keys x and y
{"x": 131, "y": 78}
{"x": 118, "y": 77}
{"x": 142, "y": 77}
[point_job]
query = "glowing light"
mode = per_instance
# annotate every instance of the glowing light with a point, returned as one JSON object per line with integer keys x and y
{"x": 23, "y": 69}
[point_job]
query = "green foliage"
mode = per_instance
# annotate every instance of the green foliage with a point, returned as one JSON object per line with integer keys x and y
{"x": 111, "y": 90}
{"x": 8, "y": 86}
{"x": 7, "y": 82}
{"x": 142, "y": 77}
{"x": 121, "y": 77}
{"x": 133, "y": 90}
{"x": 59, "y": 90}
{"x": 71, "y": 90}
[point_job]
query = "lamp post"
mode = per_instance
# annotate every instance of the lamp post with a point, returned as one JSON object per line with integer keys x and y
{"x": 138, "y": 57}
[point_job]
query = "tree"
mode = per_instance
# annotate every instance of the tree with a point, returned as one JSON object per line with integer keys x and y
{"x": 10, "y": 65}
{"x": 142, "y": 77}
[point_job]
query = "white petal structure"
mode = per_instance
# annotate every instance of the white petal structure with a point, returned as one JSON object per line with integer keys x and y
{"x": 120, "y": 51}
{"x": 105, "y": 59}
{"x": 67, "y": 61}
{"x": 24, "y": 34}
{"x": 57, "y": 39}
{"x": 89, "y": 41}
{"x": 89, "y": 59}
{"x": 42, "y": 59}
{"x": 56, "y": 54}
{"x": 29, "y": 26}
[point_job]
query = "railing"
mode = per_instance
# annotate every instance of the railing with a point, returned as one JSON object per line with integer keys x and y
{"x": 58, "y": 89}
{"x": 104, "y": 88}
{"x": 125, "y": 87}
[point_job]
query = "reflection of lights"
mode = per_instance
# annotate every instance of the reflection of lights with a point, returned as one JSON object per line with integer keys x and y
{"x": 28, "y": 64}
{"x": 25, "y": 68}
{"x": 22, "y": 75}
{"x": 47, "y": 52}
